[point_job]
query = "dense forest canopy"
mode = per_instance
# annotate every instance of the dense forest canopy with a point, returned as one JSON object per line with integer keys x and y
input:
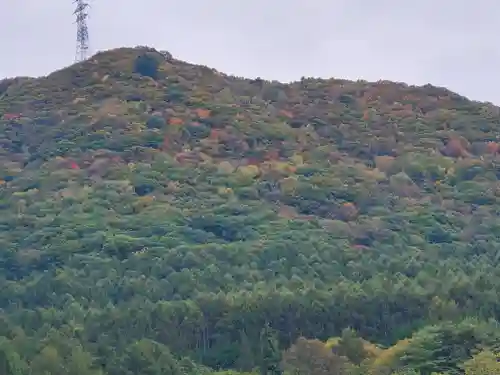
{"x": 159, "y": 217}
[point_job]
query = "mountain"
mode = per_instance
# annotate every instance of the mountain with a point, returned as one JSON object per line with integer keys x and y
{"x": 161, "y": 217}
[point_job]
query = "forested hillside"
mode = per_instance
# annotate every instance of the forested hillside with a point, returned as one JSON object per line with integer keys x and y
{"x": 158, "y": 217}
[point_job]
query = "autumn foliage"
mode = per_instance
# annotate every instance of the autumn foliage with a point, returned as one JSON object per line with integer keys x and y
{"x": 175, "y": 121}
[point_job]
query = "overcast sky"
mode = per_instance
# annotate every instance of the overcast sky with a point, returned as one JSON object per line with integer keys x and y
{"x": 452, "y": 43}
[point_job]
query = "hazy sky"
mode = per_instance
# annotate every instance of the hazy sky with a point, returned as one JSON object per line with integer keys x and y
{"x": 452, "y": 43}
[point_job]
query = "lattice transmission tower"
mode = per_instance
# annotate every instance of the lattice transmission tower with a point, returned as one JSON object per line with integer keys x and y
{"x": 82, "y": 33}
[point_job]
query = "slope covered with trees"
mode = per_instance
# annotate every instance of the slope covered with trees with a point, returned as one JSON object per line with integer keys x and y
{"x": 159, "y": 217}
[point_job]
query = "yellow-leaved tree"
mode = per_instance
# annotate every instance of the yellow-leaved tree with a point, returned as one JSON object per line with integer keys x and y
{"x": 483, "y": 363}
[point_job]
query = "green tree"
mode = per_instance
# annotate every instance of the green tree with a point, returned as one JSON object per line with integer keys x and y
{"x": 146, "y": 357}
{"x": 270, "y": 354}
{"x": 147, "y": 65}
{"x": 48, "y": 361}
{"x": 10, "y": 362}
{"x": 246, "y": 359}
{"x": 441, "y": 348}
{"x": 351, "y": 346}
{"x": 81, "y": 363}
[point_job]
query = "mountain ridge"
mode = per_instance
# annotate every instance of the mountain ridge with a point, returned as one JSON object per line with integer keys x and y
{"x": 72, "y": 86}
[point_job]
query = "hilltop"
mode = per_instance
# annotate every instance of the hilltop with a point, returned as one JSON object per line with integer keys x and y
{"x": 159, "y": 215}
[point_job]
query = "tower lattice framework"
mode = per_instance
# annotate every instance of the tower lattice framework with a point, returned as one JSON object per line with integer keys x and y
{"x": 82, "y": 34}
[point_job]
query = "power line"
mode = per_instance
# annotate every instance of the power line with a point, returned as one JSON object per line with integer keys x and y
{"x": 82, "y": 33}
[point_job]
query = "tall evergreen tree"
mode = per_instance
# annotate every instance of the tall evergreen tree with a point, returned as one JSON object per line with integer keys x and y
{"x": 10, "y": 362}
{"x": 246, "y": 358}
{"x": 270, "y": 354}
